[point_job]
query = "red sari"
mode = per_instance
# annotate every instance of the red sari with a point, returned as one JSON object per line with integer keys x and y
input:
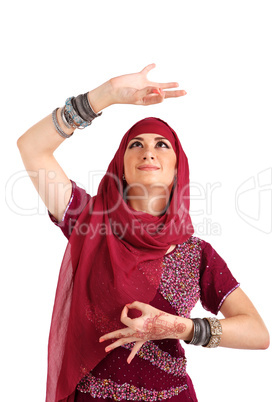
{"x": 103, "y": 269}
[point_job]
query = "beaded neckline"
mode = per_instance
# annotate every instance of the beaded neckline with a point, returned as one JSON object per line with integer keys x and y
{"x": 175, "y": 249}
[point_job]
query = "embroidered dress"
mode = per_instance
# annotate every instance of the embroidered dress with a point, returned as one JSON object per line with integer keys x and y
{"x": 192, "y": 271}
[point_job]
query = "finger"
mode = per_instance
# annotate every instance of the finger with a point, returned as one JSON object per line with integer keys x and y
{"x": 175, "y": 94}
{"x": 121, "y": 333}
{"x": 148, "y": 68}
{"x": 158, "y": 91}
{"x": 119, "y": 342}
{"x": 152, "y": 99}
{"x": 146, "y": 96}
{"x": 124, "y": 314}
{"x": 167, "y": 85}
{"x": 134, "y": 351}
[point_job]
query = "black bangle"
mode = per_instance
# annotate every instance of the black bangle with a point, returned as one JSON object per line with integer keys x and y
{"x": 201, "y": 333}
{"x": 79, "y": 106}
{"x": 208, "y": 332}
{"x": 88, "y": 107}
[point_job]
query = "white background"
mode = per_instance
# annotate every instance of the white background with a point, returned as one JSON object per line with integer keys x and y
{"x": 224, "y": 55}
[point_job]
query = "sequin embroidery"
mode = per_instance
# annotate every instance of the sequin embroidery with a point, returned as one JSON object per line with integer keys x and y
{"x": 180, "y": 278}
{"x": 106, "y": 388}
{"x": 161, "y": 359}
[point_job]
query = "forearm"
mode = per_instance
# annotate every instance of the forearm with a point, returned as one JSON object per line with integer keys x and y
{"x": 244, "y": 332}
{"x": 43, "y": 139}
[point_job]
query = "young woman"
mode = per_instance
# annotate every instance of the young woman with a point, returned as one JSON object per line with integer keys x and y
{"x": 132, "y": 271}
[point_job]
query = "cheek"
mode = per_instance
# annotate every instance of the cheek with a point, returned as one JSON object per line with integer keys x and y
{"x": 127, "y": 164}
{"x": 171, "y": 165}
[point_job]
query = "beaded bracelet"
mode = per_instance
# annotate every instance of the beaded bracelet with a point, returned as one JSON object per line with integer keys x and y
{"x": 78, "y": 121}
{"x": 68, "y": 118}
{"x": 216, "y": 332}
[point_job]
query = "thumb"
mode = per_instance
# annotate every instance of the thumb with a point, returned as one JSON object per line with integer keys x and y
{"x": 148, "y": 68}
{"x": 136, "y": 305}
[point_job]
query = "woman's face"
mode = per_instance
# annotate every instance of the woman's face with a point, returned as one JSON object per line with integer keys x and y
{"x": 150, "y": 160}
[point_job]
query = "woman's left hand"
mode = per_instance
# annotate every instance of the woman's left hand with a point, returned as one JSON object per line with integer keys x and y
{"x": 153, "y": 324}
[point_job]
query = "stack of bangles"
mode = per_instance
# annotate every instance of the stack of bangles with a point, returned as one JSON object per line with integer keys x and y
{"x": 76, "y": 113}
{"x": 207, "y": 332}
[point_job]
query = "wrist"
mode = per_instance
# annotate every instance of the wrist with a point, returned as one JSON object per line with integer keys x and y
{"x": 188, "y": 333}
{"x": 101, "y": 97}
{"x": 184, "y": 328}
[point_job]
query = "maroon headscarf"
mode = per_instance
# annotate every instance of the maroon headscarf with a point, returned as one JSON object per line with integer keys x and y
{"x": 113, "y": 257}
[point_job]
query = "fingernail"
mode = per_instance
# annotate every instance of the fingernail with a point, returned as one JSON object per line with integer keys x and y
{"x": 108, "y": 349}
{"x": 101, "y": 340}
{"x": 156, "y": 91}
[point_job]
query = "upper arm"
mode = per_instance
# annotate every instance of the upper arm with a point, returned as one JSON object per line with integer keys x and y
{"x": 216, "y": 280}
{"x": 50, "y": 181}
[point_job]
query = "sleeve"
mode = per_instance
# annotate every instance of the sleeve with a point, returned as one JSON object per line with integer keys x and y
{"x": 78, "y": 200}
{"x": 216, "y": 280}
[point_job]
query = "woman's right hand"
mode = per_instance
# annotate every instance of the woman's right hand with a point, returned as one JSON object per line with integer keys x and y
{"x": 138, "y": 90}
{"x": 133, "y": 89}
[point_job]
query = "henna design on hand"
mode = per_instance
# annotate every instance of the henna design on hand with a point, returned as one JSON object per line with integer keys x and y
{"x": 158, "y": 328}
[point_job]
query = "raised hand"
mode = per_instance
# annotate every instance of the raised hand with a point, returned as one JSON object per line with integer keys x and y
{"x": 138, "y": 90}
{"x": 153, "y": 324}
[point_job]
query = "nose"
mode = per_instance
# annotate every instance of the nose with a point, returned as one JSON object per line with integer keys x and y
{"x": 148, "y": 154}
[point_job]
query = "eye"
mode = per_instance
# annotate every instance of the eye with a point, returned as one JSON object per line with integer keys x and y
{"x": 162, "y": 144}
{"x": 135, "y": 144}
{"x": 159, "y": 144}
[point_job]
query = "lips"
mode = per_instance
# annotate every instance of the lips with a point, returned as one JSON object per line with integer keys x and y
{"x": 148, "y": 167}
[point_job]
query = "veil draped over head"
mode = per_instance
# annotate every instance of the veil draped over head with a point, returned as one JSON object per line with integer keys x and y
{"x": 113, "y": 257}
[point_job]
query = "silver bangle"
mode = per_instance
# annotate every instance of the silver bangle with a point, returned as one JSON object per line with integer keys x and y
{"x": 57, "y": 126}
{"x": 64, "y": 119}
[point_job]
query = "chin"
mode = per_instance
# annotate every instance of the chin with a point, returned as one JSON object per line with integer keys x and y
{"x": 154, "y": 183}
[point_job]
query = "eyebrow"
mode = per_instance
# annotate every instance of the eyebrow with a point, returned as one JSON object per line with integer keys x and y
{"x": 156, "y": 139}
